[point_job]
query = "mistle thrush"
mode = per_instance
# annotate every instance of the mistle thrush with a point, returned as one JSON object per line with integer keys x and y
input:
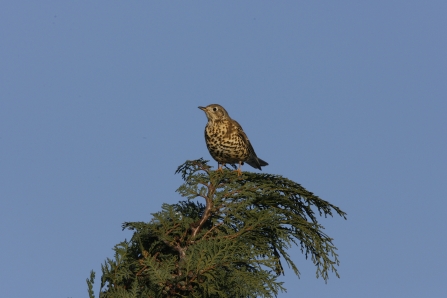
{"x": 226, "y": 141}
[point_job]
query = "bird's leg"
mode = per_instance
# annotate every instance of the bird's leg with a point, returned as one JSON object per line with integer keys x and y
{"x": 239, "y": 171}
{"x": 219, "y": 167}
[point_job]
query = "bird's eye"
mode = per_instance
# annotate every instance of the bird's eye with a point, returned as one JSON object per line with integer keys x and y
{"x": 214, "y": 109}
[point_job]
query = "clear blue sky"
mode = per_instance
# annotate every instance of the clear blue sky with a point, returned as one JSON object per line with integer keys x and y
{"x": 98, "y": 107}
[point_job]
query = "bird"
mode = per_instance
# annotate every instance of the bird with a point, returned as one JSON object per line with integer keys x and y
{"x": 227, "y": 141}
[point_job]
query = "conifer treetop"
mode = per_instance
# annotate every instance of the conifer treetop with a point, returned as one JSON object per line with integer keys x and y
{"x": 226, "y": 240}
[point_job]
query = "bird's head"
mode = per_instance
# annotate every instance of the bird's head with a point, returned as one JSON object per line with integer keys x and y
{"x": 215, "y": 112}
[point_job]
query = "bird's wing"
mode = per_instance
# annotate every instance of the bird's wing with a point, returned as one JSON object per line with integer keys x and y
{"x": 244, "y": 137}
{"x": 253, "y": 160}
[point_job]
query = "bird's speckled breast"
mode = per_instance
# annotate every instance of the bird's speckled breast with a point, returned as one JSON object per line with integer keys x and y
{"x": 224, "y": 142}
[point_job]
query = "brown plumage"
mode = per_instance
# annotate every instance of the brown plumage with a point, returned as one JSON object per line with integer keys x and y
{"x": 226, "y": 141}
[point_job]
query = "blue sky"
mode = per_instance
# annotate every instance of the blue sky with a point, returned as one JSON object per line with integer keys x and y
{"x": 98, "y": 107}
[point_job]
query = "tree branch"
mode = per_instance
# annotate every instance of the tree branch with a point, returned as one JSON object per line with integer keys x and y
{"x": 195, "y": 227}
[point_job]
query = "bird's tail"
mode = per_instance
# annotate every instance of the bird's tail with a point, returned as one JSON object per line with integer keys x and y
{"x": 257, "y": 163}
{"x": 262, "y": 163}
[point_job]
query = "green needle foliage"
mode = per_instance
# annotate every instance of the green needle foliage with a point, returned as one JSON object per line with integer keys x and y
{"x": 228, "y": 239}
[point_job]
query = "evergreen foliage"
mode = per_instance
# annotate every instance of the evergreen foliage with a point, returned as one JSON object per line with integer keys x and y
{"x": 228, "y": 244}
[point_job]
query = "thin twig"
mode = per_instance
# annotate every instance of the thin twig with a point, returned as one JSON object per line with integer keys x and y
{"x": 209, "y": 231}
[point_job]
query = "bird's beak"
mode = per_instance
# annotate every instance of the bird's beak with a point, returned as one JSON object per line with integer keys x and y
{"x": 202, "y": 108}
